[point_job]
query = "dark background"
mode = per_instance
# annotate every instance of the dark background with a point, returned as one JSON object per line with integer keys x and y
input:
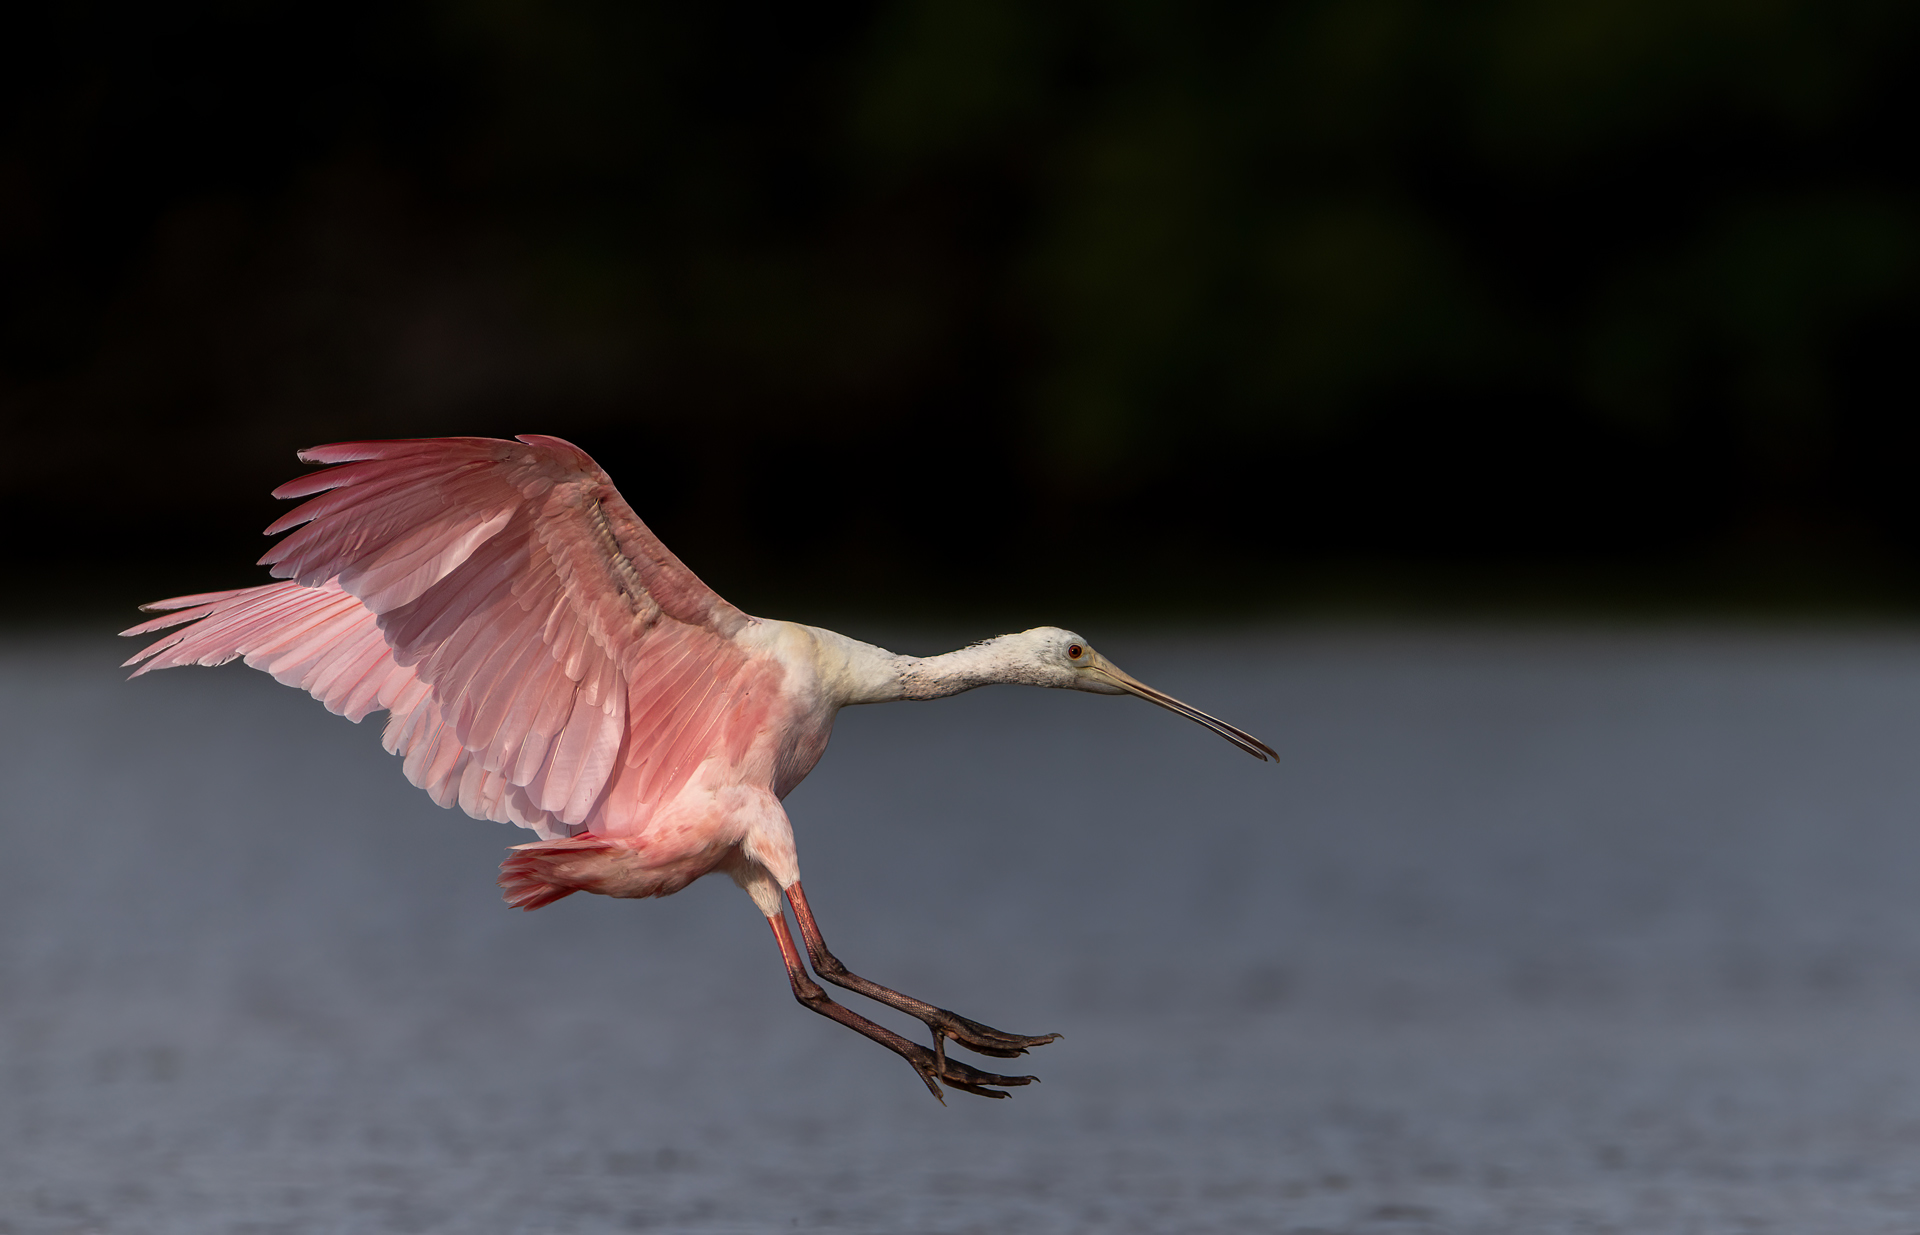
{"x": 972, "y": 304}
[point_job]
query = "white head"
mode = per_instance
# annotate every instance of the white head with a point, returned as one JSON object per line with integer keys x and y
{"x": 1050, "y": 656}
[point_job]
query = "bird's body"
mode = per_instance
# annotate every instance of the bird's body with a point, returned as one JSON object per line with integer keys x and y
{"x": 546, "y": 661}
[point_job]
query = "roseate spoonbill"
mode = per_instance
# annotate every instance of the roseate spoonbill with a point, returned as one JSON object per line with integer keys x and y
{"x": 545, "y": 660}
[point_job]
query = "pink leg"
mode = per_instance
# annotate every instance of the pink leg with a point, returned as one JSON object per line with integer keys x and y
{"x": 970, "y": 1034}
{"x": 932, "y": 1068}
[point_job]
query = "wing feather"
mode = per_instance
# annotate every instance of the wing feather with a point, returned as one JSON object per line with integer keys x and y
{"x": 549, "y": 718}
{"x": 383, "y": 682}
{"x": 336, "y": 677}
{"x": 515, "y": 667}
{"x": 504, "y": 724}
{"x": 502, "y": 602}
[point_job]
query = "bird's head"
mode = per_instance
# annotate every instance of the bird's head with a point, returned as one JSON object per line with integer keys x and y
{"x": 1063, "y": 659}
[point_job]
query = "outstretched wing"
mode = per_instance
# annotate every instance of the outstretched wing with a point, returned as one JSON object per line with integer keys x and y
{"x": 503, "y": 602}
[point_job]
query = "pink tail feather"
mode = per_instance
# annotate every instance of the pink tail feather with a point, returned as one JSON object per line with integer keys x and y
{"x": 537, "y": 874}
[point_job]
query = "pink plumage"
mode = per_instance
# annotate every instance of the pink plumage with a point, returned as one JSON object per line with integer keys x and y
{"x": 545, "y": 661}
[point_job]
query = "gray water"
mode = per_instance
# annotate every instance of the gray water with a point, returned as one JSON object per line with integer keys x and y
{"x": 1526, "y": 933}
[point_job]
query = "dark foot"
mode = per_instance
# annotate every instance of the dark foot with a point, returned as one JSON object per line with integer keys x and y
{"x": 935, "y": 1068}
{"x": 983, "y": 1039}
{"x": 978, "y": 1038}
{"x": 933, "y": 1065}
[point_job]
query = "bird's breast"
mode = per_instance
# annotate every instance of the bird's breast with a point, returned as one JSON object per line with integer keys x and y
{"x": 805, "y": 741}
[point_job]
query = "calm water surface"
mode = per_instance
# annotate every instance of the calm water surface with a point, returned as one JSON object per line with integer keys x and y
{"x": 1527, "y": 933}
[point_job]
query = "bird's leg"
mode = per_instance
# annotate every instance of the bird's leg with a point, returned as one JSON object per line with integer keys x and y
{"x": 932, "y": 1068}
{"x": 970, "y": 1034}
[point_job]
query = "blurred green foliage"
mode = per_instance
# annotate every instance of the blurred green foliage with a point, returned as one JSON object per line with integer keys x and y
{"x": 1290, "y": 280}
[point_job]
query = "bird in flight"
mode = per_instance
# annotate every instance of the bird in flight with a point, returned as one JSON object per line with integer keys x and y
{"x": 544, "y": 660}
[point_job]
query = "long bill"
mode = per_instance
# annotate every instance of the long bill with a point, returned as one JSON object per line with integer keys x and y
{"x": 1106, "y": 672}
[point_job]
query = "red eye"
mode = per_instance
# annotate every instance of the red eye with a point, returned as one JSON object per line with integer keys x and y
{"x": 1074, "y": 650}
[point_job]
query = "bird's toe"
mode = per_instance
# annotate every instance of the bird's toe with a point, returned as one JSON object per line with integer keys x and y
{"x": 986, "y": 1040}
{"x": 937, "y": 1070}
{"x": 974, "y": 1081}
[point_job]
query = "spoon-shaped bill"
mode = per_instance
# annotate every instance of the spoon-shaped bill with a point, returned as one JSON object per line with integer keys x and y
{"x": 1106, "y": 672}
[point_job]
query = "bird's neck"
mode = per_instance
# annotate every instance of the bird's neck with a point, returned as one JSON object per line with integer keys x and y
{"x": 987, "y": 663}
{"x": 862, "y": 673}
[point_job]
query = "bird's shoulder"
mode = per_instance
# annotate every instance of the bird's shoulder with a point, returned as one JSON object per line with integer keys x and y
{"x": 833, "y": 668}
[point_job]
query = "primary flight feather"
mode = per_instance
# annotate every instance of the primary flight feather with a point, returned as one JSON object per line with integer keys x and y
{"x": 544, "y": 660}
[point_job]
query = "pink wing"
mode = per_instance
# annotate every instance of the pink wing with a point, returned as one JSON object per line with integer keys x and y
{"x": 507, "y": 607}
